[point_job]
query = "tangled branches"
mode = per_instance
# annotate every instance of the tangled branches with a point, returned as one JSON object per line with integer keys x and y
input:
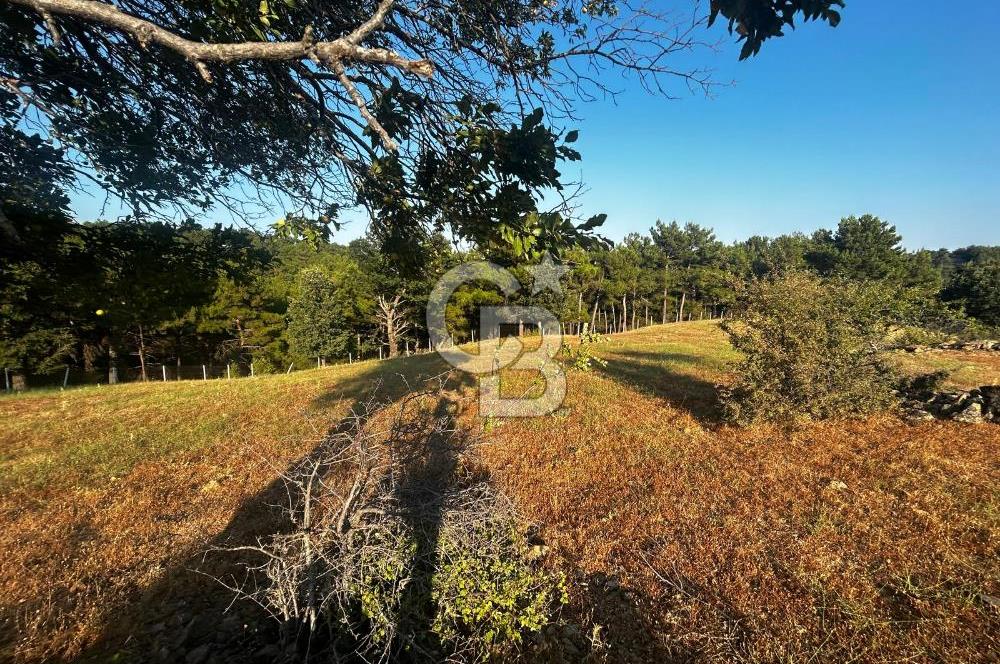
{"x": 400, "y": 547}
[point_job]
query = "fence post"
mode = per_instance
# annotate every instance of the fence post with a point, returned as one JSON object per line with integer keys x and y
{"x": 380, "y": 352}
{"x": 229, "y": 373}
{"x": 164, "y": 367}
{"x": 251, "y": 369}
{"x": 204, "y": 373}
{"x": 317, "y": 363}
{"x": 6, "y": 380}
{"x": 349, "y": 359}
{"x": 66, "y": 378}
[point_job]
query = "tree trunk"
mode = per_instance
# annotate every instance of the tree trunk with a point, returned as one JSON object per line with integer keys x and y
{"x": 19, "y": 381}
{"x": 665, "y": 293}
{"x": 142, "y": 354}
{"x": 680, "y": 311}
{"x": 390, "y": 333}
{"x": 624, "y": 327}
{"x": 593, "y": 314}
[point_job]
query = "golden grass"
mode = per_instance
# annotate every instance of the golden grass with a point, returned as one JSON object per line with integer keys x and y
{"x": 859, "y": 540}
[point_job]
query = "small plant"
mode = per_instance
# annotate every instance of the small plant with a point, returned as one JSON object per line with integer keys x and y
{"x": 589, "y": 336}
{"x": 582, "y": 357}
{"x": 811, "y": 349}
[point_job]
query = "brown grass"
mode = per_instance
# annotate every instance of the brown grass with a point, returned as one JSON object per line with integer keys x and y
{"x": 859, "y": 540}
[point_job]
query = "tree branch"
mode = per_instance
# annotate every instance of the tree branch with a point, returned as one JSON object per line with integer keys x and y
{"x": 359, "y": 101}
{"x": 344, "y": 48}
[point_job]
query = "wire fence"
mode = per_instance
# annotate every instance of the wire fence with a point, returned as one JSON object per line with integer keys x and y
{"x": 68, "y": 376}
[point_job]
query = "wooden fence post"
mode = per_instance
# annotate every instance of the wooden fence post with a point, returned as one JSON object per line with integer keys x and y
{"x": 204, "y": 373}
{"x": 164, "y": 367}
{"x": 251, "y": 369}
{"x": 229, "y": 373}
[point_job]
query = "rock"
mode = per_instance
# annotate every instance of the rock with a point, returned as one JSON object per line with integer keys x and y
{"x": 917, "y": 415}
{"x": 837, "y": 485}
{"x": 954, "y": 403}
{"x": 971, "y": 414}
{"x": 991, "y": 400}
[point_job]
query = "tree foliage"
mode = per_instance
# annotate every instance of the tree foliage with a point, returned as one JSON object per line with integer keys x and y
{"x": 124, "y": 294}
{"x": 811, "y": 348}
{"x": 431, "y": 115}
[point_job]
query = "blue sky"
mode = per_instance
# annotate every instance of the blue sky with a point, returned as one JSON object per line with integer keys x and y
{"x": 895, "y": 112}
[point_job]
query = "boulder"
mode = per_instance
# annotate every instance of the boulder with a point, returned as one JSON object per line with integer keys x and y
{"x": 971, "y": 414}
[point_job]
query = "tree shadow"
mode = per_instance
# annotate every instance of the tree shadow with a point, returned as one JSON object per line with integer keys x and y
{"x": 187, "y": 615}
{"x": 654, "y": 374}
{"x": 427, "y": 469}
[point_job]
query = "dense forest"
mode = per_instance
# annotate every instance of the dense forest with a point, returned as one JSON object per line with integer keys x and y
{"x": 151, "y": 298}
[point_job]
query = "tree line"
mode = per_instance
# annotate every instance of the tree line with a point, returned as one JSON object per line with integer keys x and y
{"x": 135, "y": 295}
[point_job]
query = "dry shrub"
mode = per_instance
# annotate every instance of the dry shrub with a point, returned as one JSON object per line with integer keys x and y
{"x": 415, "y": 555}
{"x": 811, "y": 348}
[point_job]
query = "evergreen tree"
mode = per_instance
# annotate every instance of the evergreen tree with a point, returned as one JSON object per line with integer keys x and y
{"x": 317, "y": 316}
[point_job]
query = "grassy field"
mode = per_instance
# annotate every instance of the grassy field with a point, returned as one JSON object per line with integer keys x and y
{"x": 684, "y": 539}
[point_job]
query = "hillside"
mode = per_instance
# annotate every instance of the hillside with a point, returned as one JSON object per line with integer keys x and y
{"x": 681, "y": 537}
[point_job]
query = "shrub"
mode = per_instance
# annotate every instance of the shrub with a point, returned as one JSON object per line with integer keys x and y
{"x": 264, "y": 366}
{"x": 811, "y": 349}
{"x": 582, "y": 358}
{"x": 414, "y": 557}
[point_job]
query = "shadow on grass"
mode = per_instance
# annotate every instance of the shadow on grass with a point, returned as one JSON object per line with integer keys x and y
{"x": 188, "y": 617}
{"x": 657, "y": 374}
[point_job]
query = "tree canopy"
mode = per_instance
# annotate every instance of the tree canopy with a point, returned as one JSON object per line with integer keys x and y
{"x": 432, "y": 114}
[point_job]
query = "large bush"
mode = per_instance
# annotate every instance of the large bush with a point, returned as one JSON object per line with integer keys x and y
{"x": 811, "y": 348}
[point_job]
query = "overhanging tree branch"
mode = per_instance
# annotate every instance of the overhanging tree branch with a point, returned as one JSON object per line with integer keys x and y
{"x": 345, "y": 48}
{"x": 331, "y": 53}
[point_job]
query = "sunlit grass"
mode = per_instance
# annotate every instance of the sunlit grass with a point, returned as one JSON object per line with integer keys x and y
{"x": 120, "y": 485}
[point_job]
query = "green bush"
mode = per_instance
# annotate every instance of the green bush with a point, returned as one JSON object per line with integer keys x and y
{"x": 812, "y": 349}
{"x": 582, "y": 357}
{"x": 264, "y": 366}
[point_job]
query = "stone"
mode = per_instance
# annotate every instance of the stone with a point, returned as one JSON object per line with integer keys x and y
{"x": 917, "y": 415}
{"x": 971, "y": 414}
{"x": 991, "y": 400}
{"x": 837, "y": 485}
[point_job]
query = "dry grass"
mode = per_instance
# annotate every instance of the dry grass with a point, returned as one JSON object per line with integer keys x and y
{"x": 867, "y": 540}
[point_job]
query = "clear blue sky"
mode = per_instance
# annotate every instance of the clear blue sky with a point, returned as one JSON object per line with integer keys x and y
{"x": 896, "y": 112}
